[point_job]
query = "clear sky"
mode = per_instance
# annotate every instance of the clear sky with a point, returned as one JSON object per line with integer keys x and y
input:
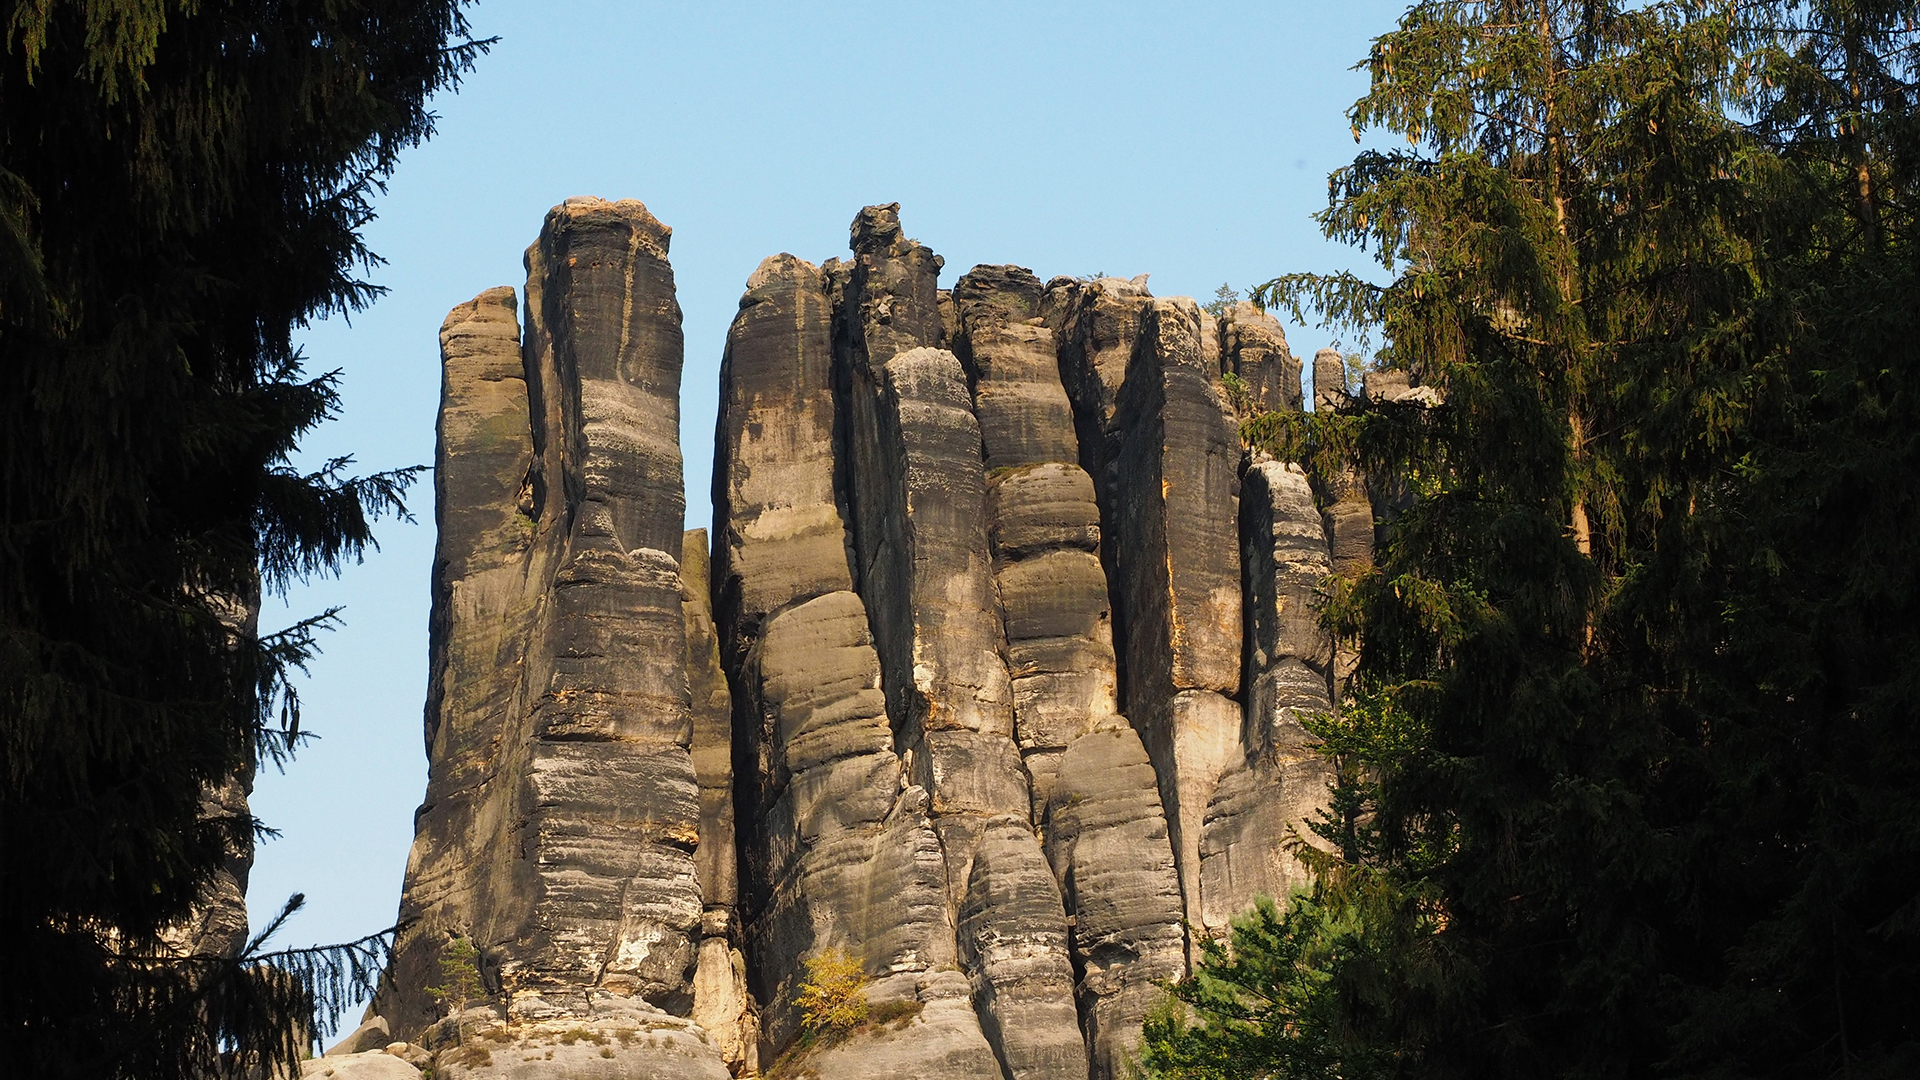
{"x": 1188, "y": 141}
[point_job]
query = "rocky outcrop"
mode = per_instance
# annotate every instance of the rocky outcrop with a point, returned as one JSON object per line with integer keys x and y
{"x": 993, "y": 678}
{"x": 1175, "y": 522}
{"x": 1266, "y": 800}
{"x": 557, "y": 841}
{"x": 919, "y": 497}
{"x": 1045, "y": 532}
{"x": 838, "y": 851}
{"x": 1253, "y": 347}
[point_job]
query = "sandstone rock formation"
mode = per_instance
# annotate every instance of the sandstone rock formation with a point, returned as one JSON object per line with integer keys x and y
{"x": 563, "y": 809}
{"x": 1253, "y": 346}
{"x": 993, "y": 679}
{"x": 1045, "y": 527}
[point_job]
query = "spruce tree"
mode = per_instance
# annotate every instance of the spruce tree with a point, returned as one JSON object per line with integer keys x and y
{"x": 1633, "y": 758}
{"x": 182, "y": 184}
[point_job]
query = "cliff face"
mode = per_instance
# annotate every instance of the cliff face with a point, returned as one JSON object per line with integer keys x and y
{"x": 991, "y": 679}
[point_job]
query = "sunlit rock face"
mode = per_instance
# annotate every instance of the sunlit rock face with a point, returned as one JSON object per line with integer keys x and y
{"x": 990, "y": 678}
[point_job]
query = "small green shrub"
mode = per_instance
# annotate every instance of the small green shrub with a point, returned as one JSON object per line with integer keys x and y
{"x": 899, "y": 1012}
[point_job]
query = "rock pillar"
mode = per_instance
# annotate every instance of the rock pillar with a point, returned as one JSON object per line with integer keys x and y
{"x": 1045, "y": 532}
{"x": 563, "y": 810}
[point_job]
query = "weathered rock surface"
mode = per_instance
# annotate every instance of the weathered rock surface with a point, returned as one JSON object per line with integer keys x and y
{"x": 594, "y": 1038}
{"x": 1107, "y": 841}
{"x": 1059, "y": 624}
{"x": 367, "y": 1065}
{"x": 563, "y": 808}
{"x": 1013, "y": 942}
{"x": 372, "y": 1034}
{"x": 943, "y": 1042}
{"x": 780, "y": 533}
{"x": 926, "y": 571}
{"x": 478, "y": 637}
{"x": 1043, "y": 520}
{"x": 1286, "y": 558}
{"x": 840, "y": 851}
{"x": 843, "y": 856}
{"x": 1175, "y": 523}
{"x": 1253, "y": 346}
{"x": 1095, "y": 325}
{"x": 994, "y": 682}
{"x": 1014, "y": 368}
{"x": 929, "y": 588}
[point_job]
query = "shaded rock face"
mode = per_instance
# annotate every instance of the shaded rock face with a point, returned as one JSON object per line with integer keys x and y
{"x": 836, "y": 847}
{"x": 993, "y": 676}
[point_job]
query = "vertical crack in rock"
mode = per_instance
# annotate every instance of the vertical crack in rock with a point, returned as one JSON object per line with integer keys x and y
{"x": 1013, "y": 938}
{"x": 837, "y": 851}
{"x": 1108, "y": 845}
{"x": 722, "y": 1002}
{"x": 1045, "y": 533}
{"x": 563, "y": 810}
{"x": 1281, "y": 783}
{"x": 1095, "y": 324}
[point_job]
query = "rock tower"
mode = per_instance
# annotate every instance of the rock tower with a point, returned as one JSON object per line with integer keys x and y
{"x": 989, "y": 678}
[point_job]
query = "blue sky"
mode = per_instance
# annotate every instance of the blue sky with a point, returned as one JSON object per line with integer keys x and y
{"x": 1191, "y": 142}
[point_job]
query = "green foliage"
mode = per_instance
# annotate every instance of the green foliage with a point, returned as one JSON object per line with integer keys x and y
{"x": 833, "y": 997}
{"x": 181, "y": 184}
{"x": 459, "y": 976}
{"x": 1632, "y": 761}
{"x": 897, "y": 1012}
{"x": 1239, "y": 395}
{"x": 1224, "y": 297}
{"x": 1264, "y": 1003}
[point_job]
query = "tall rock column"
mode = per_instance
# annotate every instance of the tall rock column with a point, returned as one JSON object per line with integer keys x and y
{"x": 919, "y": 498}
{"x": 477, "y": 636}
{"x": 1281, "y": 783}
{"x": 1175, "y": 517}
{"x": 837, "y": 848}
{"x": 1045, "y": 532}
{"x": 563, "y": 810}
